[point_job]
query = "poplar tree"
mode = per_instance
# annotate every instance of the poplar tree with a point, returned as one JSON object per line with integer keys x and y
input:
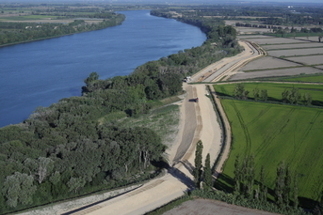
{"x": 237, "y": 175}
{"x": 280, "y": 184}
{"x": 263, "y": 188}
{"x": 198, "y": 164}
{"x": 207, "y": 173}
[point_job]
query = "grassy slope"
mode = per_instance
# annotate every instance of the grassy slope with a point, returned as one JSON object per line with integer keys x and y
{"x": 274, "y": 133}
{"x": 275, "y": 90}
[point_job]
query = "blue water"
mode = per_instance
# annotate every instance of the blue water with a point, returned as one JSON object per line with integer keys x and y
{"x": 43, "y": 72}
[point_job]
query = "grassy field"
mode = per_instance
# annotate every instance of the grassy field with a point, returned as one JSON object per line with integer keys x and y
{"x": 26, "y": 18}
{"x": 275, "y": 133}
{"x": 275, "y": 90}
{"x": 164, "y": 121}
{"x": 312, "y": 79}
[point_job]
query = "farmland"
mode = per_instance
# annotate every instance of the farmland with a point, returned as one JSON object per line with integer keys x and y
{"x": 269, "y": 63}
{"x": 274, "y": 133}
{"x": 293, "y": 46}
{"x": 285, "y": 57}
{"x": 300, "y": 78}
{"x": 292, "y": 52}
{"x": 276, "y": 73}
{"x": 313, "y": 79}
{"x": 274, "y": 89}
{"x": 309, "y": 60}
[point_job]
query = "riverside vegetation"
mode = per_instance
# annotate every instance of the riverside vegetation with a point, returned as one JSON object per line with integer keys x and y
{"x": 74, "y": 147}
{"x": 25, "y": 23}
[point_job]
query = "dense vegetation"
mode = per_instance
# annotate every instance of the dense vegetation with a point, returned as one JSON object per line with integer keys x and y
{"x": 16, "y": 32}
{"x": 75, "y": 147}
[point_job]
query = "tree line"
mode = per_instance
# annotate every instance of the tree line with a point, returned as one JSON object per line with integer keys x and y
{"x": 249, "y": 189}
{"x": 292, "y": 96}
{"x": 16, "y": 32}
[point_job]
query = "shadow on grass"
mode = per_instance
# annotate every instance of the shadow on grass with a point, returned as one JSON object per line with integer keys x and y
{"x": 224, "y": 183}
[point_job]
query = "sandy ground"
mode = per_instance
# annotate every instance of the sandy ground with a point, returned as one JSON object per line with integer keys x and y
{"x": 212, "y": 207}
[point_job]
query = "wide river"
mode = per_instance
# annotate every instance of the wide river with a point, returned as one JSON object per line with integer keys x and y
{"x": 43, "y": 72}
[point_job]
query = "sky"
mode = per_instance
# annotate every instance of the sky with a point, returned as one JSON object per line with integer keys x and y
{"x": 175, "y": 1}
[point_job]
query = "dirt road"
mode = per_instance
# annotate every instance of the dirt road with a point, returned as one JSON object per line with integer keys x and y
{"x": 198, "y": 122}
{"x": 225, "y": 68}
{"x": 178, "y": 179}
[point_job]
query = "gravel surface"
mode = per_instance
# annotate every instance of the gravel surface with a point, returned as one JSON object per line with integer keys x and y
{"x": 309, "y": 60}
{"x": 274, "y": 73}
{"x": 295, "y": 52}
{"x": 212, "y": 207}
{"x": 268, "y": 63}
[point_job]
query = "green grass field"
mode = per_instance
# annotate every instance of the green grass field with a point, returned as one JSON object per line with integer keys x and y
{"x": 274, "y": 133}
{"x": 29, "y": 17}
{"x": 312, "y": 79}
{"x": 274, "y": 90}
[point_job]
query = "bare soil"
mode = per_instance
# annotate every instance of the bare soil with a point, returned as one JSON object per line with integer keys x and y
{"x": 268, "y": 63}
{"x": 254, "y": 37}
{"x": 275, "y": 40}
{"x": 293, "y": 52}
{"x": 315, "y": 38}
{"x": 211, "y": 207}
{"x": 245, "y": 30}
{"x": 291, "y": 46}
{"x": 309, "y": 60}
{"x": 274, "y": 73}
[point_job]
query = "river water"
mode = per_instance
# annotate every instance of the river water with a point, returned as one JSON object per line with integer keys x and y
{"x": 43, "y": 72}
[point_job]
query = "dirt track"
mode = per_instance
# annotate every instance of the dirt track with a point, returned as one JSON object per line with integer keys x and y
{"x": 198, "y": 122}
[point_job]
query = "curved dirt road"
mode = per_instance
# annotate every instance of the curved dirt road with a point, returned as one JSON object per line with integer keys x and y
{"x": 198, "y": 122}
{"x": 173, "y": 184}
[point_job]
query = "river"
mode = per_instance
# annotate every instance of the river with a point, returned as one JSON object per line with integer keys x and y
{"x": 43, "y": 72}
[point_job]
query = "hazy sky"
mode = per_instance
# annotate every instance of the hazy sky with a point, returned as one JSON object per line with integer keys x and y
{"x": 174, "y": 1}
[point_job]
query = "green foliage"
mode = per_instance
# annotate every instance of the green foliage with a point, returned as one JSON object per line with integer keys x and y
{"x": 240, "y": 92}
{"x": 197, "y": 172}
{"x": 275, "y": 92}
{"x": 207, "y": 173}
{"x": 17, "y": 32}
{"x": 18, "y": 188}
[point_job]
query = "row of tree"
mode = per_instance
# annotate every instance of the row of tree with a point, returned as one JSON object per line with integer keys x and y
{"x": 292, "y": 96}
{"x": 285, "y": 190}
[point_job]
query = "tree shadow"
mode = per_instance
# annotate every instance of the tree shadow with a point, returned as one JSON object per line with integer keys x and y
{"x": 181, "y": 177}
{"x": 224, "y": 183}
